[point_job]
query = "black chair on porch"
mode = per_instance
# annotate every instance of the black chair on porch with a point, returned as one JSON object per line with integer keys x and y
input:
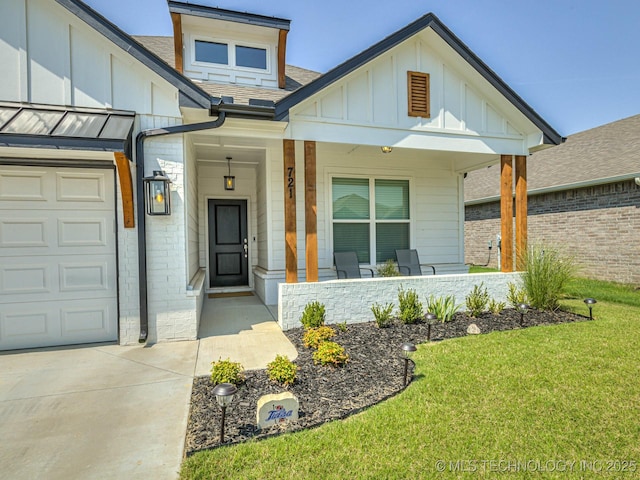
{"x": 347, "y": 265}
{"x": 409, "y": 263}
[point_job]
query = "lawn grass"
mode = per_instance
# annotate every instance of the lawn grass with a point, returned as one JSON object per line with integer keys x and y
{"x": 564, "y": 393}
{"x": 481, "y": 269}
{"x": 581, "y": 288}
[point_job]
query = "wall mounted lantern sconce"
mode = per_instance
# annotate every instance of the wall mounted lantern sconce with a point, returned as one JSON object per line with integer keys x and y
{"x": 407, "y": 350}
{"x": 229, "y": 180}
{"x": 224, "y": 393}
{"x": 590, "y": 302}
{"x": 386, "y": 149}
{"x": 158, "y": 193}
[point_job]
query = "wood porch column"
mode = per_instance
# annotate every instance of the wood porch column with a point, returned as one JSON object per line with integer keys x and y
{"x": 521, "y": 210}
{"x": 506, "y": 211}
{"x": 310, "y": 211}
{"x": 290, "y": 234}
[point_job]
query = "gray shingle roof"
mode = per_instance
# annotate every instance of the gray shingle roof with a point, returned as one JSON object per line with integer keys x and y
{"x": 296, "y": 77}
{"x": 598, "y": 154}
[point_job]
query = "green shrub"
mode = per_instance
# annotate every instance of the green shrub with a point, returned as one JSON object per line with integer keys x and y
{"x": 443, "y": 307}
{"x": 313, "y": 315}
{"x": 388, "y": 269}
{"x": 382, "y": 314}
{"x": 330, "y": 353}
{"x": 547, "y": 273}
{"x": 409, "y": 306}
{"x": 226, "y": 371}
{"x": 496, "y": 307}
{"x": 313, "y": 337}
{"x": 342, "y": 326}
{"x": 282, "y": 370}
{"x": 516, "y": 295}
{"x": 477, "y": 300}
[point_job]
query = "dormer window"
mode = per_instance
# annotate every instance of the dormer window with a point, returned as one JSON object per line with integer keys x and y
{"x": 226, "y": 46}
{"x": 212, "y": 52}
{"x": 232, "y": 55}
{"x": 251, "y": 57}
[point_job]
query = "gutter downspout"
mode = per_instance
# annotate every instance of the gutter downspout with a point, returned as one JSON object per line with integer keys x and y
{"x": 142, "y": 231}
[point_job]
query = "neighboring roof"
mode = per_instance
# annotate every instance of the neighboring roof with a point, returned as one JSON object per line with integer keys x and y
{"x": 190, "y": 94}
{"x": 228, "y": 15}
{"x": 430, "y": 20}
{"x": 45, "y": 126}
{"x": 296, "y": 77}
{"x": 599, "y": 155}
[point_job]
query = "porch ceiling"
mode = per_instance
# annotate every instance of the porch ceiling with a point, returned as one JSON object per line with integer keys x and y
{"x": 459, "y": 161}
{"x": 247, "y": 151}
{"x": 216, "y": 148}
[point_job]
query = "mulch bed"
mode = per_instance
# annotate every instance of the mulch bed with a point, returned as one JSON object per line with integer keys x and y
{"x": 374, "y": 372}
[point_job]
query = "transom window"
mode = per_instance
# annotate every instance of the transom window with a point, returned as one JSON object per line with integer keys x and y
{"x": 219, "y": 53}
{"x": 370, "y": 217}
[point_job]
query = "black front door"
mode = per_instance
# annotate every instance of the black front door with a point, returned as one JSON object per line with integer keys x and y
{"x": 228, "y": 247}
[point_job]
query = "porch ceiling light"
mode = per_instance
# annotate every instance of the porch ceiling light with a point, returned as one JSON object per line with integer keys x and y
{"x": 407, "y": 351}
{"x": 229, "y": 180}
{"x": 386, "y": 149}
{"x": 158, "y": 193}
{"x": 224, "y": 393}
{"x": 590, "y": 302}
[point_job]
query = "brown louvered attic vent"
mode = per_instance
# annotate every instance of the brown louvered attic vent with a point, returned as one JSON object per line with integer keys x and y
{"x": 418, "y": 89}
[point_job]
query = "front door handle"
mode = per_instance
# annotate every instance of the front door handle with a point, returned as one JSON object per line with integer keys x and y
{"x": 246, "y": 250}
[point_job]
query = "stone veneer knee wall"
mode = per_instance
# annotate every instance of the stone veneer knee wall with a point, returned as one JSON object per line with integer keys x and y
{"x": 351, "y": 300}
{"x": 599, "y": 224}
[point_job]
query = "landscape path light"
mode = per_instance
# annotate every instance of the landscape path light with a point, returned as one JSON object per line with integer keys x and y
{"x": 522, "y": 308}
{"x": 590, "y": 302}
{"x": 430, "y": 317}
{"x": 407, "y": 350}
{"x": 224, "y": 393}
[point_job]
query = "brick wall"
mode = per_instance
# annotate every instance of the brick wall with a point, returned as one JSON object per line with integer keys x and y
{"x": 351, "y": 300}
{"x": 172, "y": 311}
{"x": 599, "y": 224}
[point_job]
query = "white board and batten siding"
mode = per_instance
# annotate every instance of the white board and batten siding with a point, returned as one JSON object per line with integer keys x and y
{"x": 49, "y": 56}
{"x": 57, "y": 257}
{"x": 369, "y": 106}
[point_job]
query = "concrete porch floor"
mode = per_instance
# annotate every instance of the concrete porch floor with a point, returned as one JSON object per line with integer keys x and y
{"x": 241, "y": 329}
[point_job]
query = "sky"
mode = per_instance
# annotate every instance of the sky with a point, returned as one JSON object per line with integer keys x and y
{"x": 575, "y": 62}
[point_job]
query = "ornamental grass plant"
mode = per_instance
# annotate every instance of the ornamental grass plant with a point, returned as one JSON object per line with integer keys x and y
{"x": 548, "y": 271}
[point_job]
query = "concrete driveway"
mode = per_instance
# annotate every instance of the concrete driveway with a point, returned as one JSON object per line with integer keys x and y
{"x": 95, "y": 411}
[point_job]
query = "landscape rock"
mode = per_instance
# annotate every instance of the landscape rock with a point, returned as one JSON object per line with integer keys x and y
{"x": 473, "y": 329}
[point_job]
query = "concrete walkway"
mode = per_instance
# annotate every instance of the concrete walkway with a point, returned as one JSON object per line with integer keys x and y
{"x": 113, "y": 412}
{"x": 241, "y": 329}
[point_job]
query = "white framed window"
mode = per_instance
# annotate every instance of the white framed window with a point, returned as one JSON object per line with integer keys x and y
{"x": 229, "y": 53}
{"x": 211, "y": 52}
{"x": 370, "y": 216}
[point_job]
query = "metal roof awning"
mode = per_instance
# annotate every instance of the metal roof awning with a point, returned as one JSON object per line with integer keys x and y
{"x": 65, "y": 128}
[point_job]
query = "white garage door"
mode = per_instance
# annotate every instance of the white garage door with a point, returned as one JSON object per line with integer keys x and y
{"x": 57, "y": 256}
